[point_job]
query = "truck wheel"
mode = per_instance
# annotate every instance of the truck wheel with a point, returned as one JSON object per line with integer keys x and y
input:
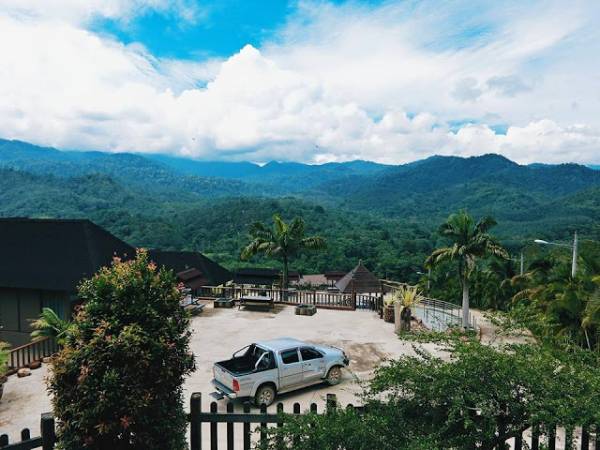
{"x": 265, "y": 395}
{"x": 334, "y": 376}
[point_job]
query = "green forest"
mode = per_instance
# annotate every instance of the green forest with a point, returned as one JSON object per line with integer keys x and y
{"x": 385, "y": 215}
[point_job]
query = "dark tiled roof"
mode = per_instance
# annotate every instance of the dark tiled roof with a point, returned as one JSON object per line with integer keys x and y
{"x": 178, "y": 262}
{"x": 54, "y": 254}
{"x": 334, "y": 275}
{"x": 359, "y": 280}
{"x": 259, "y": 275}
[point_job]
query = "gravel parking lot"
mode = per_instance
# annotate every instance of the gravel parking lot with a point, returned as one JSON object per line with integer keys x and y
{"x": 217, "y": 333}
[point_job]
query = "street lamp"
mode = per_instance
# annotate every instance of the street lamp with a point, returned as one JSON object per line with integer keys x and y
{"x": 428, "y": 275}
{"x": 571, "y": 246}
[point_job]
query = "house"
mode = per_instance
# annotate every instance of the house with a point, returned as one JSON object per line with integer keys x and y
{"x": 43, "y": 261}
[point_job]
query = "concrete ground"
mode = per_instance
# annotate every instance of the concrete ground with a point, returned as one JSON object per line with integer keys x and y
{"x": 217, "y": 333}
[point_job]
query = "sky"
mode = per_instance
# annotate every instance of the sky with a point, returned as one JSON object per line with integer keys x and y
{"x": 304, "y": 80}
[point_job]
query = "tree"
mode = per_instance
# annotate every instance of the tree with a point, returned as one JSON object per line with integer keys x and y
{"x": 565, "y": 310}
{"x": 117, "y": 380}
{"x": 49, "y": 324}
{"x": 469, "y": 241}
{"x": 283, "y": 241}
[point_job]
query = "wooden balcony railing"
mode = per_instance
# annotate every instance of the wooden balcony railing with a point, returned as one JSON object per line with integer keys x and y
{"x": 33, "y": 351}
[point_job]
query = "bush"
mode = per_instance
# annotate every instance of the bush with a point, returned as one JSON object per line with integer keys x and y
{"x": 117, "y": 381}
{"x": 478, "y": 397}
{"x": 3, "y": 359}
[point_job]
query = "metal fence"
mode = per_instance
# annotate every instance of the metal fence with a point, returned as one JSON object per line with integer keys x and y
{"x": 439, "y": 315}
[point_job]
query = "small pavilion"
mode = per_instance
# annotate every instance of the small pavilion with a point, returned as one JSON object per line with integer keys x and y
{"x": 361, "y": 280}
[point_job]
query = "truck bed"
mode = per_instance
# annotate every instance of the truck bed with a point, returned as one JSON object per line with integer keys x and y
{"x": 238, "y": 366}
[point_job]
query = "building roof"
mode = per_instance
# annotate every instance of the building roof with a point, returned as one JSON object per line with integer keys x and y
{"x": 359, "y": 280}
{"x": 261, "y": 276}
{"x": 334, "y": 275}
{"x": 318, "y": 279}
{"x": 54, "y": 254}
{"x": 181, "y": 262}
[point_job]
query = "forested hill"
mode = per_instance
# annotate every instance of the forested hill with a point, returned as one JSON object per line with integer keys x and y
{"x": 386, "y": 215}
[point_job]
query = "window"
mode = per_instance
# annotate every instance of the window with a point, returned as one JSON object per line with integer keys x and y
{"x": 290, "y": 356}
{"x": 309, "y": 353}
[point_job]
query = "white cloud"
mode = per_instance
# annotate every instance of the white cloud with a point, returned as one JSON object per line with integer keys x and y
{"x": 340, "y": 82}
{"x": 84, "y": 10}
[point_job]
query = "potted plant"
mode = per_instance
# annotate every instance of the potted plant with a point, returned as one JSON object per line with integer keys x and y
{"x": 3, "y": 365}
{"x": 405, "y": 298}
{"x": 388, "y": 309}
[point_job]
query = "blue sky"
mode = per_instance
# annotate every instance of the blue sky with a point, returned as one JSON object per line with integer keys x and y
{"x": 304, "y": 80}
{"x": 221, "y": 28}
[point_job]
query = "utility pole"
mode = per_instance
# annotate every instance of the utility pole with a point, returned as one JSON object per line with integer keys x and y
{"x": 522, "y": 263}
{"x": 429, "y": 281}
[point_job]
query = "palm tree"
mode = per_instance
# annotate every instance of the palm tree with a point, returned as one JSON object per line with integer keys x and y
{"x": 470, "y": 241}
{"x": 49, "y": 324}
{"x": 282, "y": 241}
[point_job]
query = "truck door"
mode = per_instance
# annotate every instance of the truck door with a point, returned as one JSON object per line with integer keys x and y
{"x": 290, "y": 371}
{"x": 313, "y": 364}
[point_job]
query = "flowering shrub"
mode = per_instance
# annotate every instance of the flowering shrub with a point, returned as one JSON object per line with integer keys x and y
{"x": 117, "y": 381}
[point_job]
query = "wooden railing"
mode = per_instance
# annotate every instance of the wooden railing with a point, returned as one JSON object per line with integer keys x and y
{"x": 321, "y": 299}
{"x": 33, "y": 351}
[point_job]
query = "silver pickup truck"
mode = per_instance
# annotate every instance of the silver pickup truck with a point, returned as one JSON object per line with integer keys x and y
{"x": 264, "y": 369}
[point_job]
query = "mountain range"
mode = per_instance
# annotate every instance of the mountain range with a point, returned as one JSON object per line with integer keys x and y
{"x": 160, "y": 200}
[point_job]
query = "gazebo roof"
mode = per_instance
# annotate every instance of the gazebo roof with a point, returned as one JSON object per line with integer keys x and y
{"x": 359, "y": 280}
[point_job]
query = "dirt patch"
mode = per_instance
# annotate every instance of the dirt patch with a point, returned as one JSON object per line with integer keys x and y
{"x": 364, "y": 357}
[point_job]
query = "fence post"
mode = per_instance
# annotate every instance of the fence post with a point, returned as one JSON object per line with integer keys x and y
{"x": 25, "y": 434}
{"x": 195, "y": 425}
{"x": 331, "y": 403}
{"x": 535, "y": 438}
{"x": 214, "y": 429}
{"x": 229, "y": 427}
{"x": 518, "y": 442}
{"x": 246, "y": 427}
{"x": 585, "y": 438}
{"x": 48, "y": 433}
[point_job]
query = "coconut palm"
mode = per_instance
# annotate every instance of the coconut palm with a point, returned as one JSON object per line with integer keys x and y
{"x": 408, "y": 297}
{"x": 49, "y": 324}
{"x": 469, "y": 241}
{"x": 283, "y": 241}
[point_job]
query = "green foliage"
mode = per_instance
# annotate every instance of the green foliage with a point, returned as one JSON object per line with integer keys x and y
{"x": 4, "y": 353}
{"x": 283, "y": 241}
{"x": 460, "y": 402}
{"x": 49, "y": 324}
{"x": 117, "y": 381}
{"x": 558, "y": 308}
